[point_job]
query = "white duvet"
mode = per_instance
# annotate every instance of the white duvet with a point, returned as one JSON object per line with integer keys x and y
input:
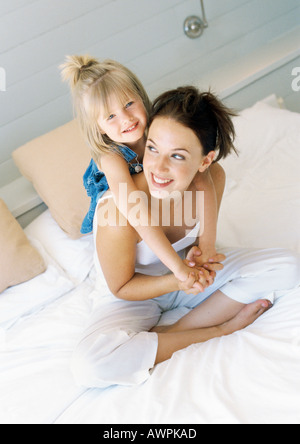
{"x": 251, "y": 376}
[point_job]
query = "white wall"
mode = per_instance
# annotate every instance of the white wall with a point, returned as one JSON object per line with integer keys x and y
{"x": 146, "y": 35}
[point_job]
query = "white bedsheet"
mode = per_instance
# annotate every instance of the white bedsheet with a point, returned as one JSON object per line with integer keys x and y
{"x": 251, "y": 376}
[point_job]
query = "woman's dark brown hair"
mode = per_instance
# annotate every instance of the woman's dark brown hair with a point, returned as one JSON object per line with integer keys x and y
{"x": 203, "y": 113}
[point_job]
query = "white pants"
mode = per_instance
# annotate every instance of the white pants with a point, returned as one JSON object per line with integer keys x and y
{"x": 118, "y": 348}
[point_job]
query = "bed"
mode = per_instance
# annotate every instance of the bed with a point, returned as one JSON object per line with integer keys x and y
{"x": 251, "y": 376}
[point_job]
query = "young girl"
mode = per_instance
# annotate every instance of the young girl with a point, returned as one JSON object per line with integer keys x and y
{"x": 113, "y": 108}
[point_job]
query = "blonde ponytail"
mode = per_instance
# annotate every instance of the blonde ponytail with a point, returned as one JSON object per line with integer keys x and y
{"x": 74, "y": 67}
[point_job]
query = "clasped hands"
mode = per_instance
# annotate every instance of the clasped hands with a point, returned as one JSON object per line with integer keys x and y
{"x": 201, "y": 271}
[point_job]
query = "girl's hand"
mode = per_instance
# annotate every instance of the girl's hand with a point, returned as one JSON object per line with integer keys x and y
{"x": 197, "y": 281}
{"x": 183, "y": 273}
{"x": 191, "y": 285}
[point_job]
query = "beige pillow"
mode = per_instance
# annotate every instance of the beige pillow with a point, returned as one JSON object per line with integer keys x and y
{"x": 55, "y": 164}
{"x": 19, "y": 260}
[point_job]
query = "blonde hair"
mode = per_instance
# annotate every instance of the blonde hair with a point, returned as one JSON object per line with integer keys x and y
{"x": 92, "y": 83}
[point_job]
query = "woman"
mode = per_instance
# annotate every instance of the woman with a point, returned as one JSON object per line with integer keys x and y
{"x": 124, "y": 342}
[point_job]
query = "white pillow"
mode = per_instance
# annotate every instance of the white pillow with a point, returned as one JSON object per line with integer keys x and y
{"x": 75, "y": 257}
{"x": 261, "y": 205}
{"x": 28, "y": 297}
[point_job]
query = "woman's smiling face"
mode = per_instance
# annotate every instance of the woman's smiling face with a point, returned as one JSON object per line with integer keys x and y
{"x": 173, "y": 156}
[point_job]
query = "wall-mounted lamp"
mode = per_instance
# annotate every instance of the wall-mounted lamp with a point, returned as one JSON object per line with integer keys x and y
{"x": 194, "y": 25}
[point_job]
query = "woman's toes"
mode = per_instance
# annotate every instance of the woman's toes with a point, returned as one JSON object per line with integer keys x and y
{"x": 248, "y": 315}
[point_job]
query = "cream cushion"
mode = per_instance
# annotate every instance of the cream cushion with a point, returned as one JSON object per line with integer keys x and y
{"x": 55, "y": 164}
{"x": 19, "y": 260}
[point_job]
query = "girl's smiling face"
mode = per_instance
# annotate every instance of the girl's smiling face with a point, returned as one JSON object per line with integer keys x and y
{"x": 173, "y": 156}
{"x": 125, "y": 122}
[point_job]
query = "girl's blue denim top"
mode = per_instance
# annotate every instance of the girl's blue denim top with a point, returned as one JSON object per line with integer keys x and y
{"x": 96, "y": 185}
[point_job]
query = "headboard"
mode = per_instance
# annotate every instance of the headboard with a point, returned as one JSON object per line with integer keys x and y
{"x": 268, "y": 70}
{"x": 266, "y": 73}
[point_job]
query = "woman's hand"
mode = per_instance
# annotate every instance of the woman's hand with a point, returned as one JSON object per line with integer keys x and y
{"x": 195, "y": 258}
{"x": 207, "y": 269}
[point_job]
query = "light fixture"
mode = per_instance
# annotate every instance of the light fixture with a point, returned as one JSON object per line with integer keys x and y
{"x": 194, "y": 25}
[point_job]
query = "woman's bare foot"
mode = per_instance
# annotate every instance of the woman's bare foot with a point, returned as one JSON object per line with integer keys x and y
{"x": 170, "y": 342}
{"x": 246, "y": 316}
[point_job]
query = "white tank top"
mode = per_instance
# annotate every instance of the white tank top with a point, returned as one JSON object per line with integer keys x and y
{"x": 146, "y": 261}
